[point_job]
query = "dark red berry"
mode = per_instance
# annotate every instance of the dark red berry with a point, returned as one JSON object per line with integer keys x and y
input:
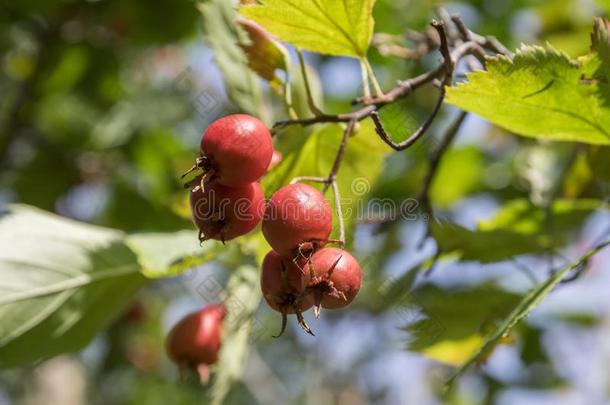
{"x": 336, "y": 278}
{"x": 224, "y": 213}
{"x": 196, "y": 339}
{"x": 236, "y": 150}
{"x": 283, "y": 283}
{"x": 296, "y": 214}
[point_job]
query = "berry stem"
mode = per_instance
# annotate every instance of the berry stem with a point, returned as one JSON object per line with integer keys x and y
{"x": 313, "y": 179}
{"x": 372, "y": 77}
{"x": 366, "y": 91}
{"x": 337, "y": 198}
{"x": 349, "y": 129}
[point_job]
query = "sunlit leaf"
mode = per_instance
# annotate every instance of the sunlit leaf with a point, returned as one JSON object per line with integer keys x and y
{"x": 331, "y": 27}
{"x": 169, "y": 254}
{"x": 454, "y": 352}
{"x": 542, "y": 93}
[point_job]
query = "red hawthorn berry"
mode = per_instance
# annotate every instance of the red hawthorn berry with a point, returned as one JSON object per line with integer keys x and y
{"x": 283, "y": 283}
{"x": 197, "y": 338}
{"x": 236, "y": 150}
{"x": 297, "y": 215}
{"x": 336, "y": 278}
{"x": 224, "y": 213}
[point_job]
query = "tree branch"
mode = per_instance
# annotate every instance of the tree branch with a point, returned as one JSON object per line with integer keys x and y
{"x": 444, "y": 73}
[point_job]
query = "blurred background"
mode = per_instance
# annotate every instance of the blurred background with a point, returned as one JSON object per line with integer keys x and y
{"x": 103, "y": 104}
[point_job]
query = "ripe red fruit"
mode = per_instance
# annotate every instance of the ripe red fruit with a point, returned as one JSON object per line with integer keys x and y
{"x": 336, "y": 278}
{"x": 223, "y": 213}
{"x": 236, "y": 150}
{"x": 196, "y": 339}
{"x": 296, "y": 214}
{"x": 283, "y": 283}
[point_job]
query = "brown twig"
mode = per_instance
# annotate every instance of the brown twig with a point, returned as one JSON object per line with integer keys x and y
{"x": 421, "y": 130}
{"x": 349, "y": 129}
{"x": 337, "y": 197}
{"x": 444, "y": 73}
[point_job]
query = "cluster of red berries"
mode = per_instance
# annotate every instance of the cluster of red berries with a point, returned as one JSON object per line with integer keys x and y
{"x": 227, "y": 201}
{"x": 300, "y": 273}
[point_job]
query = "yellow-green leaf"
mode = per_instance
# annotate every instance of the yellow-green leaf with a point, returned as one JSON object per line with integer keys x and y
{"x": 541, "y": 93}
{"x": 332, "y": 27}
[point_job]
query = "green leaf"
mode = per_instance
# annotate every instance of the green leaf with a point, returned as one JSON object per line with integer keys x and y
{"x": 61, "y": 282}
{"x": 169, "y": 254}
{"x": 464, "y": 168}
{"x": 525, "y": 306}
{"x": 332, "y": 27}
{"x": 600, "y": 164}
{"x": 454, "y": 320}
{"x": 313, "y": 155}
{"x": 243, "y": 297}
{"x": 518, "y": 228}
{"x": 542, "y": 93}
{"x": 224, "y": 35}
